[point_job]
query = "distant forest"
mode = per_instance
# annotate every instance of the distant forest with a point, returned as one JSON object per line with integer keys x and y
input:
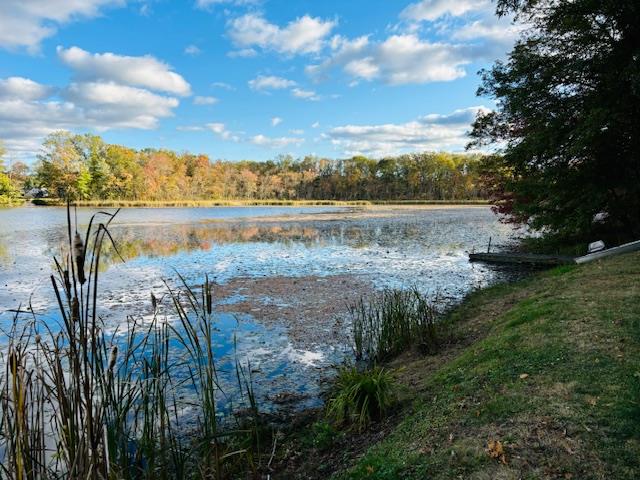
{"x": 84, "y": 167}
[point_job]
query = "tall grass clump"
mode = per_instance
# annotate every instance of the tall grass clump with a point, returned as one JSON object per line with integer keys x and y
{"x": 360, "y": 396}
{"x": 392, "y": 322}
{"x": 80, "y": 401}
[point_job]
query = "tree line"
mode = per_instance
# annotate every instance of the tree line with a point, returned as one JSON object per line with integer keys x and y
{"x": 84, "y": 167}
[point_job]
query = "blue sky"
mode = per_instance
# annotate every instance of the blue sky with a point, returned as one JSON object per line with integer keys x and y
{"x": 247, "y": 79}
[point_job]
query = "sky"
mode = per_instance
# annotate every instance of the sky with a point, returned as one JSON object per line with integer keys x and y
{"x": 247, "y": 79}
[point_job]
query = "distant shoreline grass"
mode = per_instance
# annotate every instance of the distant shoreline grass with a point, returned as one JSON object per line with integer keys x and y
{"x": 246, "y": 203}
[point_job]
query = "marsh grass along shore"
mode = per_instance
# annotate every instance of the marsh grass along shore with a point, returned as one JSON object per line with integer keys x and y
{"x": 241, "y": 202}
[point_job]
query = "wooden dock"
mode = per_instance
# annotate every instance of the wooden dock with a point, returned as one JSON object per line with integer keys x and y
{"x": 551, "y": 260}
{"x": 521, "y": 258}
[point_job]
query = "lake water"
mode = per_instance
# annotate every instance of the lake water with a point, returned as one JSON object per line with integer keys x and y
{"x": 279, "y": 269}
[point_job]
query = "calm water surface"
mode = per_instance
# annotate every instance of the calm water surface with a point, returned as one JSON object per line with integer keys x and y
{"x": 425, "y": 248}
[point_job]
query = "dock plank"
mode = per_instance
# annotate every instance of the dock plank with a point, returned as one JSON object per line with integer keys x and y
{"x": 521, "y": 258}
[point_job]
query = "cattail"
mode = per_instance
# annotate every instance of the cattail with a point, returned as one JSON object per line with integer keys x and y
{"x": 209, "y": 299}
{"x": 154, "y": 302}
{"x": 67, "y": 283}
{"x": 75, "y": 310}
{"x": 78, "y": 256}
{"x": 114, "y": 356}
{"x": 208, "y": 296}
{"x": 38, "y": 339}
{"x": 13, "y": 362}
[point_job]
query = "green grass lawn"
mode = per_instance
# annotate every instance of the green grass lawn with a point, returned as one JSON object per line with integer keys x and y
{"x": 549, "y": 367}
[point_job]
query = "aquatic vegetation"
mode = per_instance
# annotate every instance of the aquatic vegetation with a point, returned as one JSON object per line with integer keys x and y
{"x": 392, "y": 322}
{"x": 360, "y": 396}
{"x": 79, "y": 401}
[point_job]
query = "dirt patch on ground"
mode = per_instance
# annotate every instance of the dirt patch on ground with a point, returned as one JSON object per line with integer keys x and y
{"x": 297, "y": 302}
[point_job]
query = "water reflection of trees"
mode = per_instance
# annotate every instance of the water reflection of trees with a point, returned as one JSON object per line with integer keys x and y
{"x": 167, "y": 240}
{"x": 164, "y": 241}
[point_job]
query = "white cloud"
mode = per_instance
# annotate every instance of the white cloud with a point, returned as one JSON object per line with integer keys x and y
{"x": 223, "y": 85}
{"x": 220, "y": 129}
{"x": 498, "y": 34}
{"x": 144, "y": 71}
{"x": 305, "y": 94}
{"x": 276, "y": 142}
{"x": 303, "y": 35}
{"x": 25, "y": 23}
{"x": 207, "y": 4}
{"x": 460, "y": 33}
{"x": 315, "y": 125}
{"x": 362, "y": 68}
{"x": 189, "y": 128}
{"x": 270, "y": 82}
{"x": 242, "y": 53}
{"x": 296, "y": 131}
{"x": 265, "y": 83}
{"x": 22, "y": 89}
{"x": 431, "y": 132}
{"x": 198, "y": 100}
{"x": 430, "y": 10}
{"x": 110, "y": 105}
{"x": 192, "y": 50}
{"x": 400, "y": 59}
{"x": 275, "y": 121}
{"x": 29, "y": 111}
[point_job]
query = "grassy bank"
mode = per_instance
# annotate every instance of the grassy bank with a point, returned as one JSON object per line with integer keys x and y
{"x": 540, "y": 379}
{"x": 242, "y": 203}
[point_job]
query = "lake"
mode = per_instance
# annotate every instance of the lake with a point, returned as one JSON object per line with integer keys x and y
{"x": 285, "y": 276}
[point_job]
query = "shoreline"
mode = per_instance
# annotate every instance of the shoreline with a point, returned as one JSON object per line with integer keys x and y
{"x": 44, "y": 202}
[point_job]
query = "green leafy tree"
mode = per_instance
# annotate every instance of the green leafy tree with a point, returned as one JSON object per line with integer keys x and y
{"x": 567, "y": 118}
{"x": 9, "y": 191}
{"x": 2, "y": 153}
{"x": 62, "y": 167}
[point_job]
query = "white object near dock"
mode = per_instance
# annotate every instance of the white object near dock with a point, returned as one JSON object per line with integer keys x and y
{"x": 626, "y": 248}
{"x": 596, "y": 246}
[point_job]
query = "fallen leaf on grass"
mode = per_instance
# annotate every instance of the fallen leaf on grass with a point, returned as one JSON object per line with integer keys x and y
{"x": 495, "y": 449}
{"x": 592, "y": 400}
{"x": 523, "y": 376}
